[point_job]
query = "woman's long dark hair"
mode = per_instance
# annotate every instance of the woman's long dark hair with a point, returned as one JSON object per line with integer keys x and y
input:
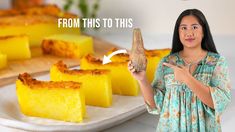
{"x": 207, "y": 41}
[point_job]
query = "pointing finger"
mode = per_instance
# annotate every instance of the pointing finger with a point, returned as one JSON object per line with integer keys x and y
{"x": 169, "y": 65}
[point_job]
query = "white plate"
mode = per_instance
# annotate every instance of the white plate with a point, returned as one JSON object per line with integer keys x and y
{"x": 123, "y": 108}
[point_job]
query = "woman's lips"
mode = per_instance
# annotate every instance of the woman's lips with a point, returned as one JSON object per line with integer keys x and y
{"x": 190, "y": 39}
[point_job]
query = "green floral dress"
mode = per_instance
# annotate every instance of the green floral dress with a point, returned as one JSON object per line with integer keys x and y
{"x": 179, "y": 108}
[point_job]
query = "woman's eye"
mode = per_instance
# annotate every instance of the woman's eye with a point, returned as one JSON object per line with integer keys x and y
{"x": 195, "y": 27}
{"x": 183, "y": 28}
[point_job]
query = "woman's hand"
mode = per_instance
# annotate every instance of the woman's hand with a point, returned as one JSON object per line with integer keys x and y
{"x": 181, "y": 73}
{"x": 140, "y": 76}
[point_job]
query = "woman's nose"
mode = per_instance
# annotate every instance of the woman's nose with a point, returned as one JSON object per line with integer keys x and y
{"x": 189, "y": 33}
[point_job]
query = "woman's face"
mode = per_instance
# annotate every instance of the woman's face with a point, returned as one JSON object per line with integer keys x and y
{"x": 190, "y": 32}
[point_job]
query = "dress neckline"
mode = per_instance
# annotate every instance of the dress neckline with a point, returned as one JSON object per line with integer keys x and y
{"x": 199, "y": 62}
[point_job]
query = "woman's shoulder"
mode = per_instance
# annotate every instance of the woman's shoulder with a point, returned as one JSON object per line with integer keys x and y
{"x": 214, "y": 55}
{"x": 214, "y": 58}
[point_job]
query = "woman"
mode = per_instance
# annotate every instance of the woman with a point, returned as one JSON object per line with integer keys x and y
{"x": 191, "y": 88}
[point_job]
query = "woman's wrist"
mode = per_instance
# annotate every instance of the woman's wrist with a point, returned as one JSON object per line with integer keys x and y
{"x": 143, "y": 81}
{"x": 189, "y": 80}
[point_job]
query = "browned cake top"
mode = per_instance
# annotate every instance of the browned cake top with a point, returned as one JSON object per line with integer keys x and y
{"x": 119, "y": 55}
{"x": 9, "y": 37}
{"x": 92, "y": 59}
{"x": 152, "y": 53}
{"x": 26, "y": 20}
{"x": 41, "y": 9}
{"x": 33, "y": 15}
{"x": 156, "y": 52}
{"x": 26, "y": 79}
{"x": 163, "y": 50}
{"x": 63, "y": 68}
{"x": 148, "y": 53}
{"x": 50, "y": 9}
{"x": 97, "y": 61}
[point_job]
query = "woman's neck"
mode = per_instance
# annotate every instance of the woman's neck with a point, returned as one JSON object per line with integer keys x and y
{"x": 192, "y": 53}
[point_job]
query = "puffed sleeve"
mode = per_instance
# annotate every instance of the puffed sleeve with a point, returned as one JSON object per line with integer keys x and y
{"x": 220, "y": 87}
{"x": 158, "y": 86}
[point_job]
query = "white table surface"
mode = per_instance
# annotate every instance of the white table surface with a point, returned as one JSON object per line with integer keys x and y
{"x": 146, "y": 122}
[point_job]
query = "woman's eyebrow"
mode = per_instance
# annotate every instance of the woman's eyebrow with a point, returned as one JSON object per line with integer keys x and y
{"x": 183, "y": 25}
{"x": 195, "y": 24}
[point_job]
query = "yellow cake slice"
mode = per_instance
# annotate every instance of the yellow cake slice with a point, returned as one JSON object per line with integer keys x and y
{"x": 36, "y": 22}
{"x": 3, "y": 60}
{"x": 95, "y": 83}
{"x": 122, "y": 81}
{"x": 163, "y": 52}
{"x": 153, "y": 58}
{"x": 55, "y": 100}
{"x": 118, "y": 57}
{"x": 15, "y": 47}
{"x": 68, "y": 45}
{"x": 49, "y": 9}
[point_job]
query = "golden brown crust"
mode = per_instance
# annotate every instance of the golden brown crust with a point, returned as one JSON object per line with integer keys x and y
{"x": 97, "y": 61}
{"x": 93, "y": 60}
{"x": 119, "y": 55}
{"x": 160, "y": 50}
{"x": 64, "y": 69}
{"x": 152, "y": 53}
{"x": 25, "y": 20}
{"x": 33, "y": 15}
{"x": 50, "y": 9}
{"x": 148, "y": 53}
{"x": 68, "y": 15}
{"x": 12, "y": 36}
{"x": 58, "y": 48}
{"x": 26, "y": 79}
{"x": 157, "y": 52}
{"x": 47, "y": 46}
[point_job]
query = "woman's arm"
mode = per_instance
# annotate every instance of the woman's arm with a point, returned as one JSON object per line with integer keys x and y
{"x": 145, "y": 86}
{"x": 182, "y": 75}
{"x": 147, "y": 92}
{"x": 202, "y": 91}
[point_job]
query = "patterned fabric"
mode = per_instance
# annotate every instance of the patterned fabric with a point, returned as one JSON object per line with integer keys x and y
{"x": 179, "y": 108}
